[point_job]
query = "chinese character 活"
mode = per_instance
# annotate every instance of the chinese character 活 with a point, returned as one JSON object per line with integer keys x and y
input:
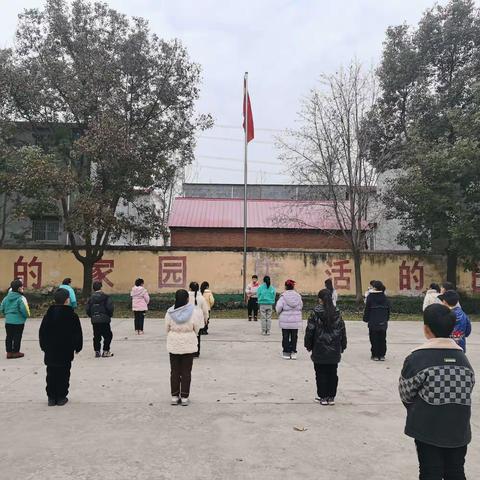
{"x": 172, "y": 272}
{"x": 340, "y": 274}
{"x": 24, "y": 270}
{"x": 407, "y": 273}
{"x": 101, "y": 270}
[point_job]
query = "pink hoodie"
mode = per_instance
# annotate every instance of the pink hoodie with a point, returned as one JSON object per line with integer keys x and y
{"x": 140, "y": 299}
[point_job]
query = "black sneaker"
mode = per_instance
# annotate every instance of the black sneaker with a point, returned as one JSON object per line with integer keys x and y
{"x": 62, "y": 402}
{"x": 52, "y": 402}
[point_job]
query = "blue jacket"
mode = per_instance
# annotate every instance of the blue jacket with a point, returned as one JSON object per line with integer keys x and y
{"x": 71, "y": 293}
{"x": 15, "y": 308}
{"x": 266, "y": 295}
{"x": 462, "y": 329}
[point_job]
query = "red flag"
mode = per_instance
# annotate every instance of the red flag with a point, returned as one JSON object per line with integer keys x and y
{"x": 248, "y": 106}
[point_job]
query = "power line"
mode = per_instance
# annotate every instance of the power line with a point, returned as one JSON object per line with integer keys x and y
{"x": 229, "y": 139}
{"x": 232, "y": 159}
{"x": 261, "y": 172}
{"x": 236, "y": 127}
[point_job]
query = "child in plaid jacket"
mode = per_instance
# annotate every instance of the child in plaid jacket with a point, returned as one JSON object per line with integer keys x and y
{"x": 436, "y": 386}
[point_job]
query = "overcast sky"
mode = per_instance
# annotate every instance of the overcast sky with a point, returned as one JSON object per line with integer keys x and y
{"x": 283, "y": 44}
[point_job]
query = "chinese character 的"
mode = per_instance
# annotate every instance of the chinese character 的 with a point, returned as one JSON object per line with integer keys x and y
{"x": 24, "y": 270}
{"x": 410, "y": 275}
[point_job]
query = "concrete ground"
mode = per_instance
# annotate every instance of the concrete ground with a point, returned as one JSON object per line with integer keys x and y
{"x": 246, "y": 403}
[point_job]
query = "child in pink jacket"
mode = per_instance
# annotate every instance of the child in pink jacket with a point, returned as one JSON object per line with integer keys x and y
{"x": 140, "y": 301}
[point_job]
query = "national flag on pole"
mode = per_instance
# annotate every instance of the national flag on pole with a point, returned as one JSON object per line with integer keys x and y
{"x": 247, "y": 113}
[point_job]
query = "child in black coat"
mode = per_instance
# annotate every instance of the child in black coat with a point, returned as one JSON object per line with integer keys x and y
{"x": 60, "y": 336}
{"x": 377, "y": 315}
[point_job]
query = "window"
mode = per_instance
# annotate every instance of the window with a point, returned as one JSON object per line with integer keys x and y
{"x": 46, "y": 229}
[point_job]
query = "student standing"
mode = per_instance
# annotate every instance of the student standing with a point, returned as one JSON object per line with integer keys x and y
{"x": 100, "y": 309}
{"x": 182, "y": 324}
{"x": 210, "y": 300}
{"x": 377, "y": 315}
{"x": 140, "y": 301}
{"x": 289, "y": 308}
{"x": 252, "y": 300}
{"x": 463, "y": 326}
{"x": 16, "y": 311}
{"x": 266, "y": 301}
{"x": 436, "y": 386}
{"x": 60, "y": 337}
{"x": 326, "y": 339}
{"x": 67, "y": 285}
{"x": 333, "y": 292}
{"x": 431, "y": 295}
{"x": 196, "y": 299}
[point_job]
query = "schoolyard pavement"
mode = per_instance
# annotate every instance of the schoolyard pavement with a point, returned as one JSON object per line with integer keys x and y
{"x": 252, "y": 414}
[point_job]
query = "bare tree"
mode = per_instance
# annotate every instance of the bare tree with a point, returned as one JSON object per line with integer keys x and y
{"x": 329, "y": 149}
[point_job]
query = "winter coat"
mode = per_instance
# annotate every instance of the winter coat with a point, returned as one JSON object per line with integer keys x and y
{"x": 140, "y": 299}
{"x": 462, "y": 329}
{"x": 182, "y": 326}
{"x": 71, "y": 294}
{"x": 436, "y": 386}
{"x": 100, "y": 308}
{"x": 431, "y": 297}
{"x": 15, "y": 308}
{"x": 60, "y": 335}
{"x": 266, "y": 295}
{"x": 200, "y": 303}
{"x": 289, "y": 308}
{"x": 377, "y": 311}
{"x": 326, "y": 345}
{"x": 209, "y": 298}
{"x": 251, "y": 290}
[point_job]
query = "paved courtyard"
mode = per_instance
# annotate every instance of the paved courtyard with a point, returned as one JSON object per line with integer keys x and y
{"x": 246, "y": 403}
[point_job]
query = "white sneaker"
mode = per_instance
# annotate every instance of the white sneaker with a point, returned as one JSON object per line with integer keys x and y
{"x": 293, "y": 356}
{"x": 286, "y": 356}
{"x": 331, "y": 401}
{"x": 185, "y": 402}
{"x": 175, "y": 401}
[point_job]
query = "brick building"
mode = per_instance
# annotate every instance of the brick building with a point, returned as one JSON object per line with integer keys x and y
{"x": 218, "y": 222}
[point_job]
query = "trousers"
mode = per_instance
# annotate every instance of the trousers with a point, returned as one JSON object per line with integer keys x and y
{"x": 13, "y": 339}
{"x": 102, "y": 330}
{"x": 252, "y": 307}
{"x": 437, "y": 463}
{"x": 327, "y": 379}
{"x": 378, "y": 342}
{"x": 266, "y": 317}
{"x": 58, "y": 380}
{"x": 289, "y": 340}
{"x": 139, "y": 319}
{"x": 181, "y": 374}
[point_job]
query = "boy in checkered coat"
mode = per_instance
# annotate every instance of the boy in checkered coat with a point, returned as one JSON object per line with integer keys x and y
{"x": 436, "y": 386}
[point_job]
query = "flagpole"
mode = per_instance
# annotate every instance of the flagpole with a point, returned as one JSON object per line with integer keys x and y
{"x": 245, "y": 181}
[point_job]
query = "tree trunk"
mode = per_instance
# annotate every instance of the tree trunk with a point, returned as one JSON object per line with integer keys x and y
{"x": 452, "y": 261}
{"x": 87, "y": 277}
{"x": 357, "y": 260}
{"x": 3, "y": 219}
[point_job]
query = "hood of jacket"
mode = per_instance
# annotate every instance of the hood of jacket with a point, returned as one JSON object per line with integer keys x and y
{"x": 182, "y": 314}
{"x": 292, "y": 298}
{"x": 138, "y": 291}
{"x": 11, "y": 298}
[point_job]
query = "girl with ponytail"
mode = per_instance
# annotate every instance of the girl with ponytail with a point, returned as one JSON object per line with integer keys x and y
{"x": 196, "y": 299}
{"x": 266, "y": 299}
{"x": 326, "y": 339}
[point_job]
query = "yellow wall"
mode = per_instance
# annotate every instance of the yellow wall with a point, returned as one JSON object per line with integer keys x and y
{"x": 224, "y": 269}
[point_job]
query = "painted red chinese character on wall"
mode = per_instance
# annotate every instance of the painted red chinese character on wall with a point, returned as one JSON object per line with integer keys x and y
{"x": 476, "y": 281}
{"x": 410, "y": 277}
{"x": 172, "y": 272}
{"x": 26, "y": 270}
{"x": 340, "y": 274}
{"x": 101, "y": 270}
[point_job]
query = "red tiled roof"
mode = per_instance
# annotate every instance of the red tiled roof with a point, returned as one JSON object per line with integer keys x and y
{"x": 228, "y": 213}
